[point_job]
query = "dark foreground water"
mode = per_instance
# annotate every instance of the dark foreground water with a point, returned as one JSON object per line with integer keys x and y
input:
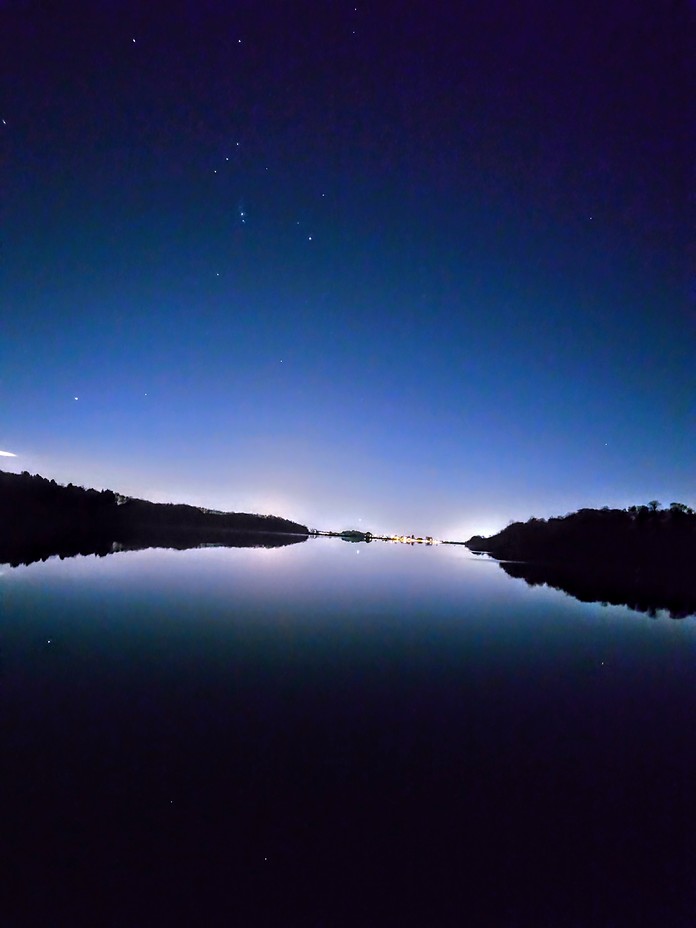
{"x": 330, "y": 734}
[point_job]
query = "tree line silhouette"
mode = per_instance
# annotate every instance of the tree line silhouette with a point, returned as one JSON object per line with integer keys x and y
{"x": 40, "y": 517}
{"x": 643, "y": 556}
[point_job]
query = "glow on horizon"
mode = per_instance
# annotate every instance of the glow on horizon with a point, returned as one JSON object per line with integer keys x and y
{"x": 7, "y": 454}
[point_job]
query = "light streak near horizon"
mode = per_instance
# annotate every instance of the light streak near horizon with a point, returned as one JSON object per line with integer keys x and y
{"x": 7, "y": 454}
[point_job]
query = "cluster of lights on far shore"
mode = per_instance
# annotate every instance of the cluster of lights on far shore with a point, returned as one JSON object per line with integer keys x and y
{"x": 412, "y": 540}
{"x": 357, "y": 535}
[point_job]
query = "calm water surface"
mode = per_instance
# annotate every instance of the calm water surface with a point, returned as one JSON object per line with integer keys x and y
{"x": 334, "y": 734}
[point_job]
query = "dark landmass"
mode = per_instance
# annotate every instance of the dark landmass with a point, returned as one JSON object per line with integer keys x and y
{"x": 643, "y": 557}
{"x": 40, "y": 518}
{"x": 349, "y": 534}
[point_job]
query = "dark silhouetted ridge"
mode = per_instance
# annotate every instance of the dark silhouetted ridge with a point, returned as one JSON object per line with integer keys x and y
{"x": 643, "y": 557}
{"x": 40, "y": 518}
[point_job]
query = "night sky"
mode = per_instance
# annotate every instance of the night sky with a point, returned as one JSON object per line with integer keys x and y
{"x": 400, "y": 266}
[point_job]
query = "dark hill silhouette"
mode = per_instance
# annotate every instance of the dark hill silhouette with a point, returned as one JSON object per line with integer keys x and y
{"x": 40, "y": 518}
{"x": 643, "y": 557}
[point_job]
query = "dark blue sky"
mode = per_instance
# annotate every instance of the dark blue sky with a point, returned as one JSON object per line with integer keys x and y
{"x": 420, "y": 265}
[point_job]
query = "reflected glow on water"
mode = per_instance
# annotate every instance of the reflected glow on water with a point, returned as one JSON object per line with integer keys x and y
{"x": 350, "y": 713}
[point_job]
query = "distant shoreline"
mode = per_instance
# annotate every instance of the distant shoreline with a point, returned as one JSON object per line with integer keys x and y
{"x": 642, "y": 557}
{"x": 356, "y": 535}
{"x": 637, "y": 535}
{"x": 42, "y": 518}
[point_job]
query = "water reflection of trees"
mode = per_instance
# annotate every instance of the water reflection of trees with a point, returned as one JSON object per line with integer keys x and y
{"x": 646, "y": 589}
{"x": 28, "y": 551}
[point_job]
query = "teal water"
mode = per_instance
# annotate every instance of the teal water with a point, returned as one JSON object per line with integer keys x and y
{"x": 331, "y": 734}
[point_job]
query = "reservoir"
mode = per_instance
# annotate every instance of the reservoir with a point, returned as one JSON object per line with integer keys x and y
{"x": 331, "y": 734}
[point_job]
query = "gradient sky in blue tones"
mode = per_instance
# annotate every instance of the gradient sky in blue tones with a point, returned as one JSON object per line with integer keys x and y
{"x": 420, "y": 265}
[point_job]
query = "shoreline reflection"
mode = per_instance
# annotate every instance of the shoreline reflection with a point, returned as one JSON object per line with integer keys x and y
{"x": 28, "y": 551}
{"x": 662, "y": 587}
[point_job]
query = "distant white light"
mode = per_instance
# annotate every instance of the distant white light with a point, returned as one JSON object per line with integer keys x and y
{"x": 7, "y": 454}
{"x": 76, "y": 397}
